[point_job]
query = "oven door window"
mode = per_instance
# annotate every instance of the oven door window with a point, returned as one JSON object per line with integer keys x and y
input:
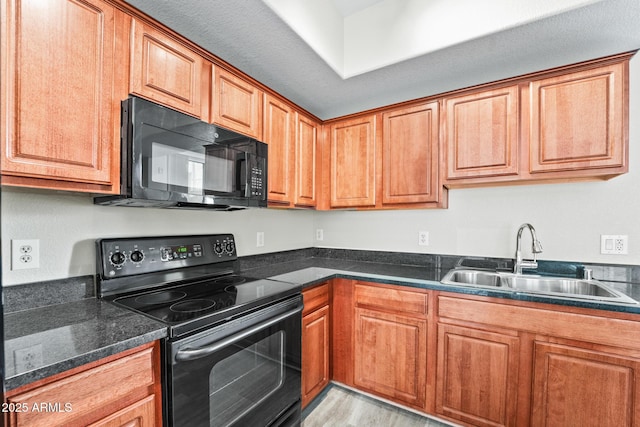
{"x": 245, "y": 379}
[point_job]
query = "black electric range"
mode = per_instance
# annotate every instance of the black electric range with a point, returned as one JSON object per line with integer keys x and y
{"x": 233, "y": 353}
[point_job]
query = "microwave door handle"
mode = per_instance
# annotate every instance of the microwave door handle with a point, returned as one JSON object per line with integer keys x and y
{"x": 189, "y": 354}
{"x": 240, "y": 180}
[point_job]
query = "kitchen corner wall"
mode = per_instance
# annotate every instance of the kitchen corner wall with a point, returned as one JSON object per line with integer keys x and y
{"x": 569, "y": 219}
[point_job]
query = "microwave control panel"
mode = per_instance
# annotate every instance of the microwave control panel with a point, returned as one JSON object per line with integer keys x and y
{"x": 257, "y": 182}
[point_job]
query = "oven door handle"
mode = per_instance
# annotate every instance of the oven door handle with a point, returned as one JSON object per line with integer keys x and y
{"x": 189, "y": 354}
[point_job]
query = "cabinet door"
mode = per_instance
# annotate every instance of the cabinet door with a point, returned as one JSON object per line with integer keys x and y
{"x": 477, "y": 376}
{"x": 140, "y": 414}
{"x": 481, "y": 134}
{"x": 410, "y": 155}
{"x": 62, "y": 82}
{"x": 579, "y": 120}
{"x": 306, "y": 157}
{"x": 581, "y": 387}
{"x": 315, "y": 353}
{"x": 279, "y": 134}
{"x": 236, "y": 104}
{"x": 391, "y": 356}
{"x": 353, "y": 159}
{"x": 166, "y": 71}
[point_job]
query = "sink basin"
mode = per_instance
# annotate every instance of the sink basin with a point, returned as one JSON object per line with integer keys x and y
{"x": 559, "y": 286}
{"x": 474, "y": 278}
{"x": 529, "y": 284}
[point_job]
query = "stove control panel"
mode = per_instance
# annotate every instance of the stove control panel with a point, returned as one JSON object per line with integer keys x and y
{"x": 131, "y": 256}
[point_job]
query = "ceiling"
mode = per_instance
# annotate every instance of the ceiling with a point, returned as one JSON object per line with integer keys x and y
{"x": 372, "y": 67}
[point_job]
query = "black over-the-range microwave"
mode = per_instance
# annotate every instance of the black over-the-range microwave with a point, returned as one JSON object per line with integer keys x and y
{"x": 170, "y": 159}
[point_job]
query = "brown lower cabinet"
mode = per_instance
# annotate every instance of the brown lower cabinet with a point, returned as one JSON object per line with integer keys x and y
{"x": 315, "y": 341}
{"x": 121, "y": 390}
{"x": 478, "y": 361}
{"x": 390, "y": 342}
{"x": 477, "y": 375}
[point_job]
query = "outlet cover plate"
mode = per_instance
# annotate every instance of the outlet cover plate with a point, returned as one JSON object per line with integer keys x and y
{"x": 25, "y": 254}
{"x": 616, "y": 244}
{"x": 423, "y": 238}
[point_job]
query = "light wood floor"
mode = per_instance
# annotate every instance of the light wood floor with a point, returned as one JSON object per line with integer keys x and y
{"x": 340, "y": 407}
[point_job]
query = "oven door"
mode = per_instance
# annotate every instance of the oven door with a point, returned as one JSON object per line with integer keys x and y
{"x": 245, "y": 372}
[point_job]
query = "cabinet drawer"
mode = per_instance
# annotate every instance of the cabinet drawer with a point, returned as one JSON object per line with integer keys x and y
{"x": 315, "y": 298}
{"x": 394, "y": 299}
{"x": 553, "y": 321}
{"x": 80, "y": 395}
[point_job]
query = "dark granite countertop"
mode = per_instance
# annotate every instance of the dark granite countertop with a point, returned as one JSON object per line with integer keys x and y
{"x": 307, "y": 272}
{"x": 64, "y": 336}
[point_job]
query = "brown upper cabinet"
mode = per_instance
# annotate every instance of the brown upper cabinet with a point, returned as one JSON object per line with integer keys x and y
{"x": 236, "y": 104}
{"x": 279, "y": 134}
{"x": 569, "y": 123}
{"x": 306, "y": 161}
{"x": 578, "y": 121}
{"x": 63, "y": 76}
{"x": 166, "y": 71}
{"x": 481, "y": 134}
{"x": 353, "y": 162}
{"x": 61, "y": 116}
{"x": 388, "y": 160}
{"x": 410, "y": 153}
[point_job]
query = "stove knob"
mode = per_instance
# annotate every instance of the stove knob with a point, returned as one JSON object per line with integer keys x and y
{"x": 136, "y": 256}
{"x": 217, "y": 248}
{"x": 229, "y": 248}
{"x": 117, "y": 259}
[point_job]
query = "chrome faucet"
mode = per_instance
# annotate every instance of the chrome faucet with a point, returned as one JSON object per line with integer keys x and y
{"x": 536, "y": 248}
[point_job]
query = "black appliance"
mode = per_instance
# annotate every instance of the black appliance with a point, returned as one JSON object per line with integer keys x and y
{"x": 233, "y": 352}
{"x": 173, "y": 160}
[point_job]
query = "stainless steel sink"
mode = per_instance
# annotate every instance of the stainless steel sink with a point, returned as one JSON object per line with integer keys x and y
{"x": 540, "y": 285}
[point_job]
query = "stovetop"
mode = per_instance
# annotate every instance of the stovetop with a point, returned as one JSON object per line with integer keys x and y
{"x": 186, "y": 282}
{"x": 191, "y": 306}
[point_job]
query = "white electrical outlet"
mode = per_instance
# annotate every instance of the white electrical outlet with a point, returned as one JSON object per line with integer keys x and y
{"x": 617, "y": 244}
{"x": 423, "y": 238}
{"x": 319, "y": 234}
{"x": 260, "y": 239}
{"x": 25, "y": 254}
{"x": 28, "y": 359}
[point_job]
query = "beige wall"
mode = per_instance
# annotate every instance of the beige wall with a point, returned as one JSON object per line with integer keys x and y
{"x": 68, "y": 225}
{"x": 569, "y": 219}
